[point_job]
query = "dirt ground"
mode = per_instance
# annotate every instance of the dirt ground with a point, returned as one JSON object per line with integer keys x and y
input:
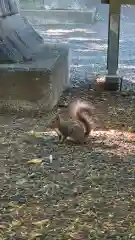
{"x": 65, "y": 191}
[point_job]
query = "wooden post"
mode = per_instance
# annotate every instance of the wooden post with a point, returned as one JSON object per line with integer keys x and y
{"x": 113, "y": 37}
{"x": 112, "y": 79}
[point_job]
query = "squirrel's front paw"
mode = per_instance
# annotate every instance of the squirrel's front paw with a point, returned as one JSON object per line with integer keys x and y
{"x": 62, "y": 139}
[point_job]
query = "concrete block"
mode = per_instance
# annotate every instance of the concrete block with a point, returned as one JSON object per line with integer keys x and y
{"x": 37, "y": 84}
{"x": 19, "y": 40}
{"x": 9, "y": 7}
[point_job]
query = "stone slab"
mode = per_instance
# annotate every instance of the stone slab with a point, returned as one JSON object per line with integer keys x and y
{"x": 65, "y": 16}
{"x": 38, "y": 84}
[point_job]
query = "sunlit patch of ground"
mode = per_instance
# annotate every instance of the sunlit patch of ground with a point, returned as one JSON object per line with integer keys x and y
{"x": 66, "y": 191}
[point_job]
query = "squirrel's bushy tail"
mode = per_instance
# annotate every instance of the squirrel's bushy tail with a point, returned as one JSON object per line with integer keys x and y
{"x": 82, "y": 111}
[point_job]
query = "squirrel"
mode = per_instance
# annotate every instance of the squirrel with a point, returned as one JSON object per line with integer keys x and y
{"x": 78, "y": 126}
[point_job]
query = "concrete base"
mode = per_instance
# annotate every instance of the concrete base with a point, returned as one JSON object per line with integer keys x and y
{"x": 106, "y": 83}
{"x": 38, "y": 84}
{"x": 112, "y": 82}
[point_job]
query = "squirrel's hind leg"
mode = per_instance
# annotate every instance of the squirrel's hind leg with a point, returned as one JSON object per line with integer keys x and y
{"x": 81, "y": 141}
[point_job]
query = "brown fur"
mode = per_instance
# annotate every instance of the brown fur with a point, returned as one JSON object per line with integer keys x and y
{"x": 78, "y": 126}
{"x": 82, "y": 111}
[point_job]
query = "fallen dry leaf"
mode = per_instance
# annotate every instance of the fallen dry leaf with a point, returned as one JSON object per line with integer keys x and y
{"x": 131, "y": 137}
{"x": 41, "y": 223}
{"x": 34, "y": 236}
{"x": 2, "y": 226}
{"x": 16, "y": 223}
{"x": 35, "y": 161}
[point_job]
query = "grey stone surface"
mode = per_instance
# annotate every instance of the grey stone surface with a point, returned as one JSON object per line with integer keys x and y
{"x": 61, "y": 16}
{"x": 9, "y": 7}
{"x": 35, "y": 85}
{"x": 18, "y": 38}
{"x": 58, "y": 4}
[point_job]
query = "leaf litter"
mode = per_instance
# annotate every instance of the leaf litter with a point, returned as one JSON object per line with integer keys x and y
{"x": 66, "y": 191}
